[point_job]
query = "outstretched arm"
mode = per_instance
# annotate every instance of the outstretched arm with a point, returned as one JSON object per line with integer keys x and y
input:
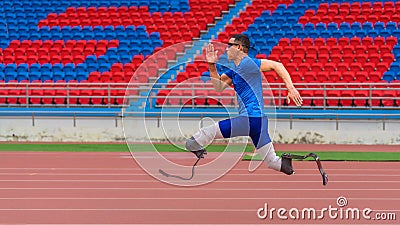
{"x": 293, "y": 94}
{"x": 219, "y": 82}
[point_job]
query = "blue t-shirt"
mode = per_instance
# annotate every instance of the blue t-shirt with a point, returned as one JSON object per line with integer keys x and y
{"x": 247, "y": 82}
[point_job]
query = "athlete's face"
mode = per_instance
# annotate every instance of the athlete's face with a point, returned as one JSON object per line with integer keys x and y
{"x": 233, "y": 49}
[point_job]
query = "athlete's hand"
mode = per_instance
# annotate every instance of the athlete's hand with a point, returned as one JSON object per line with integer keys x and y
{"x": 294, "y": 95}
{"x": 211, "y": 54}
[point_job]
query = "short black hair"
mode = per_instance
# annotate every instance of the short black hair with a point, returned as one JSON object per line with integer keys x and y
{"x": 243, "y": 40}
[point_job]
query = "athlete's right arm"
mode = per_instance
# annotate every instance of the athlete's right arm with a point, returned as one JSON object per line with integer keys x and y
{"x": 220, "y": 82}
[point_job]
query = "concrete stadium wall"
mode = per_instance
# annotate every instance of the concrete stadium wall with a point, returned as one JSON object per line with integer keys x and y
{"x": 109, "y": 129}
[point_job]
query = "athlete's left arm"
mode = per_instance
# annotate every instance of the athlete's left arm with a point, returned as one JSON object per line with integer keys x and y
{"x": 293, "y": 94}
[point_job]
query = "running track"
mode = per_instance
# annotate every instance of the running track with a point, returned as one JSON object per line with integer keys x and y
{"x": 110, "y": 188}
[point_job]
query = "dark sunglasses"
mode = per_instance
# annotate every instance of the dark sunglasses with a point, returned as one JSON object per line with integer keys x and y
{"x": 232, "y": 44}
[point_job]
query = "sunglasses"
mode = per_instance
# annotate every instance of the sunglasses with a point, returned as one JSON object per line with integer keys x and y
{"x": 232, "y": 44}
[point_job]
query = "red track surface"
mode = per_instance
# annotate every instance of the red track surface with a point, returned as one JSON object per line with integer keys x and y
{"x": 110, "y": 188}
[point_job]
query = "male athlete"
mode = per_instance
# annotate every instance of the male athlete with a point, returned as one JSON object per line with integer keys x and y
{"x": 246, "y": 78}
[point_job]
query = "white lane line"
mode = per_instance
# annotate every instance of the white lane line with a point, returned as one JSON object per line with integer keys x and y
{"x": 212, "y": 169}
{"x": 206, "y": 189}
{"x": 195, "y": 198}
{"x": 219, "y": 181}
{"x": 152, "y": 209}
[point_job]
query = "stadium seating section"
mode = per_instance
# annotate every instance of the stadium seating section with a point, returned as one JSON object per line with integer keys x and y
{"x": 341, "y": 53}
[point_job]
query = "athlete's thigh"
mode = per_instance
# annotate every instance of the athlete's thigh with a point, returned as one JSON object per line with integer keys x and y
{"x": 259, "y": 131}
{"x": 235, "y": 127}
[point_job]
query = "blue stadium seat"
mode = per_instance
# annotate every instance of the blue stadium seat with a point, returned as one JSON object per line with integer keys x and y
{"x": 10, "y": 68}
{"x": 264, "y": 28}
{"x": 112, "y": 51}
{"x": 309, "y": 27}
{"x": 104, "y": 67}
{"x": 332, "y": 26}
{"x": 279, "y": 34}
{"x": 156, "y": 43}
{"x": 69, "y": 67}
{"x": 269, "y": 20}
{"x": 89, "y": 36}
{"x": 81, "y": 76}
{"x": 154, "y": 36}
{"x": 125, "y": 59}
{"x": 68, "y": 76}
{"x": 266, "y": 14}
{"x": 135, "y": 50}
{"x": 146, "y": 51}
{"x": 146, "y": 43}
{"x": 3, "y": 37}
{"x": 275, "y": 27}
{"x": 292, "y": 19}
{"x": 314, "y": 34}
{"x": 367, "y": 26}
{"x": 385, "y": 33}
{"x": 34, "y": 76}
{"x": 92, "y": 67}
{"x": 272, "y": 42}
{"x": 34, "y": 68}
{"x": 56, "y": 36}
{"x": 388, "y": 76}
{"x": 348, "y": 33}
{"x": 47, "y": 75}
{"x": 326, "y": 34}
{"x": 8, "y": 76}
{"x": 99, "y": 36}
{"x": 302, "y": 34}
{"x": 102, "y": 59}
{"x": 46, "y": 67}
{"x": 337, "y": 34}
{"x": 23, "y": 67}
{"x": 356, "y": 26}
{"x": 113, "y": 59}
{"x": 280, "y": 19}
{"x": 297, "y": 27}
{"x": 258, "y": 21}
{"x": 91, "y": 59}
{"x": 81, "y": 67}
{"x": 291, "y": 34}
{"x": 59, "y": 75}
{"x": 361, "y": 33}
{"x": 372, "y": 33}
{"x": 260, "y": 42}
{"x": 22, "y": 76}
{"x": 396, "y": 33}
{"x": 252, "y": 28}
{"x": 395, "y": 67}
{"x": 257, "y": 35}
{"x": 141, "y": 29}
{"x": 345, "y": 26}
{"x": 379, "y": 26}
{"x": 392, "y": 26}
{"x": 320, "y": 27}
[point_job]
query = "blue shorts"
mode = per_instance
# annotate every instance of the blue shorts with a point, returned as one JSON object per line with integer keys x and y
{"x": 255, "y": 127}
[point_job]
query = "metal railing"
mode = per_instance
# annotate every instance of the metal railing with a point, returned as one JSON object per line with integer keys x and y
{"x": 117, "y": 95}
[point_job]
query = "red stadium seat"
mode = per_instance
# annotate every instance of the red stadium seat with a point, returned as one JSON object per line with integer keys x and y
{"x": 333, "y": 97}
{"x": 361, "y": 97}
{"x": 346, "y": 98}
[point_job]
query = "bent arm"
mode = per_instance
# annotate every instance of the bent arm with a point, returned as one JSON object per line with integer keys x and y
{"x": 268, "y": 65}
{"x": 219, "y": 82}
{"x": 293, "y": 94}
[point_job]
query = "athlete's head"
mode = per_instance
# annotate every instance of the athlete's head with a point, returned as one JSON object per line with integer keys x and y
{"x": 237, "y": 43}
